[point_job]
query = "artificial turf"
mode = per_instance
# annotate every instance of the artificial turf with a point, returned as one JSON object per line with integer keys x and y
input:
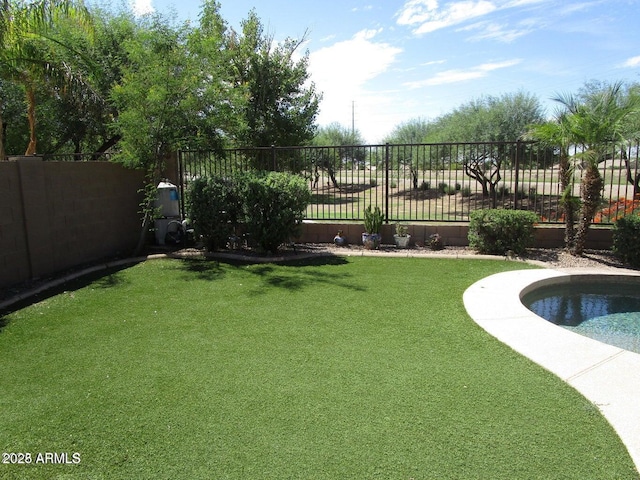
{"x": 336, "y": 368}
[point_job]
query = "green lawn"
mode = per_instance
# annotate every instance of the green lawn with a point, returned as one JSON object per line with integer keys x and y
{"x": 341, "y": 368}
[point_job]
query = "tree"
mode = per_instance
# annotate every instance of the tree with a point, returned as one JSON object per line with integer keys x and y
{"x": 13, "y": 120}
{"x": 346, "y": 150}
{"x": 409, "y": 133}
{"x": 27, "y": 37}
{"x": 280, "y": 107}
{"x": 168, "y": 98}
{"x": 88, "y": 110}
{"x": 489, "y": 120}
{"x": 557, "y": 133}
{"x": 595, "y": 120}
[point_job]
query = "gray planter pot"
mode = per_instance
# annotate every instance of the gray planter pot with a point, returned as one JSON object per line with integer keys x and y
{"x": 402, "y": 242}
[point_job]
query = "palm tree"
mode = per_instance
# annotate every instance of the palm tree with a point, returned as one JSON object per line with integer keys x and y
{"x": 557, "y": 134}
{"x": 597, "y": 121}
{"x": 27, "y": 37}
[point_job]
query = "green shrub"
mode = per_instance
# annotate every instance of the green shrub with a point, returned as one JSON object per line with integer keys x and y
{"x": 214, "y": 207}
{"x": 521, "y": 194}
{"x": 424, "y": 186}
{"x": 274, "y": 204}
{"x": 497, "y": 232}
{"x": 443, "y": 188}
{"x": 466, "y": 191}
{"x": 626, "y": 231}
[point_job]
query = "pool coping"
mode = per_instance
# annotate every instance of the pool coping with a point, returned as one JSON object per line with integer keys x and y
{"x": 607, "y": 376}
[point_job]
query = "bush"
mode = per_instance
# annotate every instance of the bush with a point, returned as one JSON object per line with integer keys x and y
{"x": 626, "y": 231}
{"x": 274, "y": 204}
{"x": 497, "y": 232}
{"x": 424, "y": 186}
{"x": 466, "y": 191}
{"x": 270, "y": 206}
{"x": 214, "y": 208}
{"x": 503, "y": 191}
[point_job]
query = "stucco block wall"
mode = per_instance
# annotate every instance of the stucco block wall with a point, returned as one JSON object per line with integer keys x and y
{"x": 58, "y": 215}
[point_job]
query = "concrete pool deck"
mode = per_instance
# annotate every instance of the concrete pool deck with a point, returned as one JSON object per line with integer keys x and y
{"x": 607, "y": 376}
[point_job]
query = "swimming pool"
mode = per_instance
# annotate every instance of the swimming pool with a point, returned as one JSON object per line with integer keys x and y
{"x": 603, "y": 307}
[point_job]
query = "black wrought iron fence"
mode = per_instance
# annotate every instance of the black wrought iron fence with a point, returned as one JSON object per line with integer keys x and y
{"x": 430, "y": 182}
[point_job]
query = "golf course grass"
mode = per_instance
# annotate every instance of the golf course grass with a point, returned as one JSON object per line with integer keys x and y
{"x": 327, "y": 369}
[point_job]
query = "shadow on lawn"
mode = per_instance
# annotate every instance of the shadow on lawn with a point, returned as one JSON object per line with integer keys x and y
{"x": 291, "y": 274}
{"x": 201, "y": 269}
{"x": 294, "y": 276}
{"x": 103, "y": 278}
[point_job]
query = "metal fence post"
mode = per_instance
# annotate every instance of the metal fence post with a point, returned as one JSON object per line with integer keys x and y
{"x": 181, "y": 183}
{"x": 516, "y": 166}
{"x": 273, "y": 156}
{"x": 386, "y": 183}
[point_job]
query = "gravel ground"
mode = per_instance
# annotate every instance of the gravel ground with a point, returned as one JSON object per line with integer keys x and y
{"x": 550, "y": 258}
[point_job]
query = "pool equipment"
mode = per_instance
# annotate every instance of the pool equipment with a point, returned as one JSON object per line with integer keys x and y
{"x": 169, "y": 228}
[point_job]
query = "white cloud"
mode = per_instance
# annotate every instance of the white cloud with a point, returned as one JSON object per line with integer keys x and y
{"x": 632, "y": 62}
{"x": 341, "y": 73}
{"x": 417, "y": 11}
{"x": 488, "y": 30}
{"x": 457, "y": 75}
{"x": 141, "y": 7}
{"x": 425, "y": 16}
{"x": 523, "y": 3}
{"x": 366, "y": 8}
{"x": 433, "y": 62}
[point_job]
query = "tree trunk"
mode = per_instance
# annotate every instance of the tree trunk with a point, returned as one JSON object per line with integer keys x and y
{"x": 590, "y": 192}
{"x": 332, "y": 175}
{"x": 635, "y": 181}
{"x": 567, "y": 199}
{"x": 146, "y": 223}
{"x": 31, "y": 116}
{"x": 569, "y": 223}
{"x": 493, "y": 192}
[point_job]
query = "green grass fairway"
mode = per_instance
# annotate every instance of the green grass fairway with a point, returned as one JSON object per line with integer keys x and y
{"x": 339, "y": 368}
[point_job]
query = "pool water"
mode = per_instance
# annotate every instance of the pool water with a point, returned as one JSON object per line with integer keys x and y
{"x": 607, "y": 312}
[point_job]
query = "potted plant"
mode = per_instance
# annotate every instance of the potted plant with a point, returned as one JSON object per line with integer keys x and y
{"x": 402, "y": 237}
{"x": 373, "y": 219}
{"x": 436, "y": 242}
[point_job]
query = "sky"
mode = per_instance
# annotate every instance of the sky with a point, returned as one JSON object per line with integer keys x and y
{"x": 382, "y": 63}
